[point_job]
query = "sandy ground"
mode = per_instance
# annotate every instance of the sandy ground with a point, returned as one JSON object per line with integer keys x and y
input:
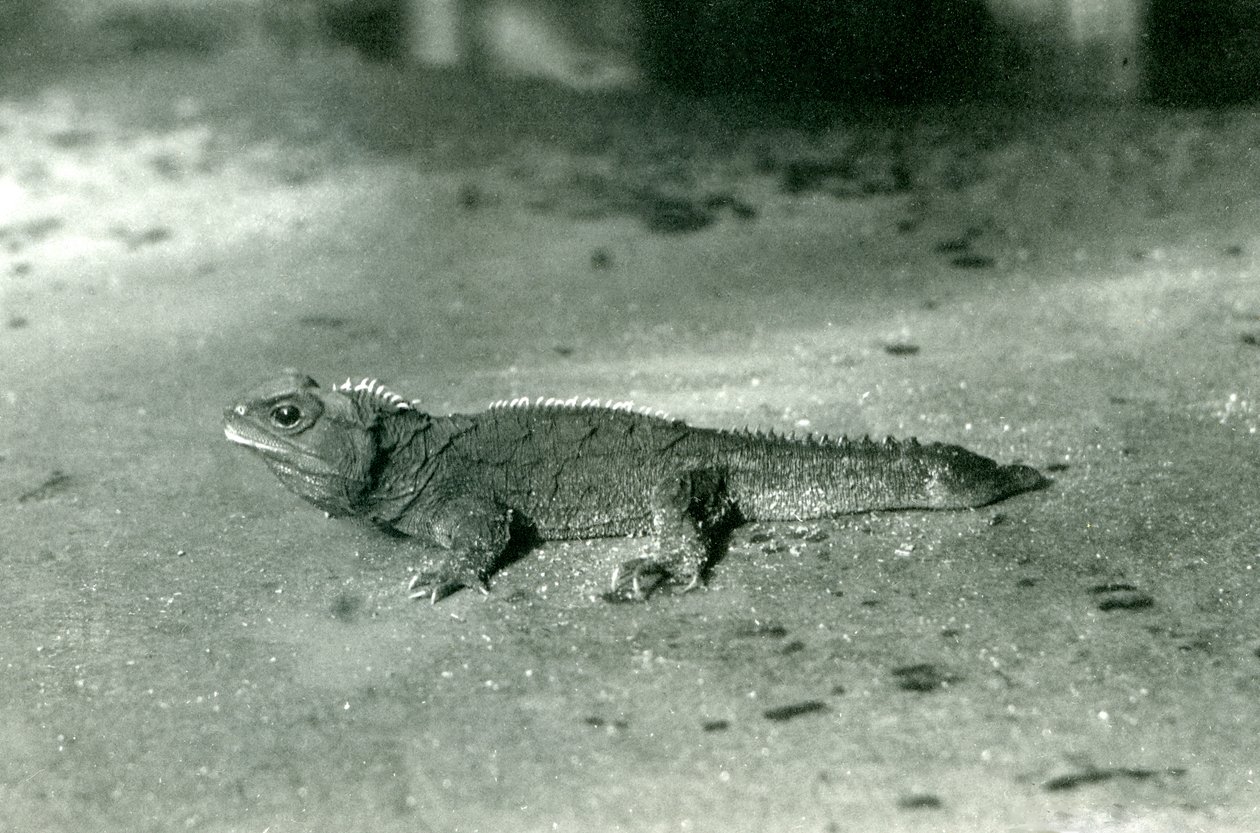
{"x": 188, "y": 647}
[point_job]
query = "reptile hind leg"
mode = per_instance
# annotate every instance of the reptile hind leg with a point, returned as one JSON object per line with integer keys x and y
{"x": 687, "y": 511}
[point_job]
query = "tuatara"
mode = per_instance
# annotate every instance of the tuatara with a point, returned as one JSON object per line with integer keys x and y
{"x": 526, "y": 470}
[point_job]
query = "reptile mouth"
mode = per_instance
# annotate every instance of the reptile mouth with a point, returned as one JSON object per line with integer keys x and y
{"x": 248, "y": 441}
{"x": 276, "y": 452}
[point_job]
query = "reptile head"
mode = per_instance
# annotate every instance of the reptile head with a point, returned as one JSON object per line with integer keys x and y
{"x": 320, "y": 443}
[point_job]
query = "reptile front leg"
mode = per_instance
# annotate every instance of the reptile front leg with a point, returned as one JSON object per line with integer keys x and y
{"x": 688, "y": 509}
{"x": 474, "y": 531}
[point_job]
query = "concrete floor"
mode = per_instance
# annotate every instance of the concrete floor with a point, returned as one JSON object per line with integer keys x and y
{"x": 187, "y": 646}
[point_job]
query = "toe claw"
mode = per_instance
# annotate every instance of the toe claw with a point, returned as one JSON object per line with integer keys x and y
{"x": 636, "y": 580}
{"x": 437, "y": 585}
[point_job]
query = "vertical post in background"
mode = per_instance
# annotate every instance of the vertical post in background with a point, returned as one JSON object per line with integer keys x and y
{"x": 1106, "y": 35}
{"x": 580, "y": 44}
{"x": 1076, "y": 48}
{"x": 435, "y": 31}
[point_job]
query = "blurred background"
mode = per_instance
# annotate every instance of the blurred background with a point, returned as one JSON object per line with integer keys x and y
{"x": 1030, "y": 227}
{"x": 837, "y": 50}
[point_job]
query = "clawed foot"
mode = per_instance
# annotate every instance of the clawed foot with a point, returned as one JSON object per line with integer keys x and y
{"x": 637, "y": 579}
{"x": 436, "y": 585}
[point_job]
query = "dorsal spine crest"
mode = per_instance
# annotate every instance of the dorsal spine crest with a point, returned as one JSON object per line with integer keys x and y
{"x": 864, "y": 443}
{"x": 376, "y": 390}
{"x": 580, "y": 404}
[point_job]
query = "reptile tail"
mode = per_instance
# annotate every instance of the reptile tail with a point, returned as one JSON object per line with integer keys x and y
{"x": 780, "y": 479}
{"x": 969, "y": 480}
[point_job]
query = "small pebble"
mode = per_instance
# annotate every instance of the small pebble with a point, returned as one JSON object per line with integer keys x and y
{"x": 922, "y": 677}
{"x": 601, "y": 258}
{"x": 957, "y": 245}
{"x": 345, "y": 606}
{"x": 1093, "y": 775}
{"x": 1077, "y": 779}
{"x": 470, "y": 197}
{"x": 326, "y": 322}
{"x": 1126, "y": 600}
{"x": 795, "y": 710}
{"x": 56, "y": 483}
{"x": 760, "y": 629}
{"x": 920, "y": 801}
{"x": 1112, "y": 587}
{"x": 971, "y": 261}
{"x": 666, "y": 215}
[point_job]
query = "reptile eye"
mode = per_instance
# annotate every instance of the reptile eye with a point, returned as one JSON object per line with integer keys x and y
{"x": 286, "y": 416}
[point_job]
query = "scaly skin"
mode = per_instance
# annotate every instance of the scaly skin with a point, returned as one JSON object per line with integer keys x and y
{"x": 470, "y": 484}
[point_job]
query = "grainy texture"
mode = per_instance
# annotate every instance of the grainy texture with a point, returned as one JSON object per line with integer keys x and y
{"x": 188, "y": 647}
{"x": 570, "y": 469}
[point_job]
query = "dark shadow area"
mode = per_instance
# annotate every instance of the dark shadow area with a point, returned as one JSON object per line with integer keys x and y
{"x": 376, "y": 28}
{"x": 21, "y": 25}
{"x": 860, "y": 51}
{"x": 1205, "y": 53}
{"x": 141, "y": 29}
